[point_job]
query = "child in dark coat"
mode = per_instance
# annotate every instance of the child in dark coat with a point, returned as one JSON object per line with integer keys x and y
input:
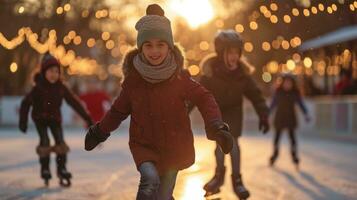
{"x": 284, "y": 100}
{"x": 46, "y": 99}
{"x": 228, "y": 77}
{"x": 154, "y": 93}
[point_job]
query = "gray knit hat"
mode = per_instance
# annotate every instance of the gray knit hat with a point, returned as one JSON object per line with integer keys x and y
{"x": 154, "y": 25}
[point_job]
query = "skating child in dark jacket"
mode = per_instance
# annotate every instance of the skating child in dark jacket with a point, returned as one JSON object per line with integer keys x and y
{"x": 228, "y": 77}
{"x": 154, "y": 93}
{"x": 46, "y": 99}
{"x": 284, "y": 100}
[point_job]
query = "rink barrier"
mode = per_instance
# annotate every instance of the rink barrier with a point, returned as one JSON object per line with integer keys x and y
{"x": 330, "y": 115}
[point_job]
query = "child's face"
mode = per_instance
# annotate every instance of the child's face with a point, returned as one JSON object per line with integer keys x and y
{"x": 287, "y": 85}
{"x": 232, "y": 56}
{"x": 155, "y": 51}
{"x": 52, "y": 74}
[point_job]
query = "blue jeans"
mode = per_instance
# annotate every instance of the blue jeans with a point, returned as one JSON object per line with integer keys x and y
{"x": 155, "y": 187}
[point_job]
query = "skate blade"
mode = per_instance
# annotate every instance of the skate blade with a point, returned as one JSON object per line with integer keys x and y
{"x": 65, "y": 182}
{"x": 211, "y": 193}
{"x": 243, "y": 195}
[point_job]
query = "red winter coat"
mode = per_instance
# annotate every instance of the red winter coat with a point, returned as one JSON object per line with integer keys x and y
{"x": 160, "y": 129}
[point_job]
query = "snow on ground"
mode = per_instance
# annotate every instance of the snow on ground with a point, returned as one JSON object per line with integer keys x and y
{"x": 328, "y": 169}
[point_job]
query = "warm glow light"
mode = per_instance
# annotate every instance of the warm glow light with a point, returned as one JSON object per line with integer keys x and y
{"x": 13, "y": 67}
{"x": 334, "y": 7}
{"x": 110, "y": 44}
{"x": 266, "y": 46}
{"x": 248, "y": 47}
{"x": 239, "y": 28}
{"x": 329, "y": 10}
{"x": 91, "y": 42}
{"x": 314, "y": 10}
{"x": 77, "y": 40}
{"x": 266, "y": 76}
{"x": 274, "y": 19}
{"x": 204, "y": 45}
{"x": 21, "y": 9}
{"x": 273, "y": 67}
{"x": 285, "y": 44}
{"x": 67, "y": 7}
{"x": 290, "y": 64}
{"x": 274, "y": 7}
{"x": 287, "y": 19}
{"x": 306, "y": 12}
{"x": 105, "y": 35}
{"x": 193, "y": 188}
{"x": 295, "y": 12}
{"x": 219, "y": 23}
{"x": 263, "y": 9}
{"x": 307, "y": 62}
{"x": 321, "y": 7}
{"x": 59, "y": 10}
{"x": 253, "y": 25}
{"x": 195, "y": 12}
{"x": 194, "y": 70}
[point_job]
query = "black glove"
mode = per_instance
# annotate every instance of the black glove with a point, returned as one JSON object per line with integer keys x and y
{"x": 93, "y": 137}
{"x": 23, "y": 127}
{"x": 264, "y": 124}
{"x": 220, "y": 133}
{"x": 225, "y": 141}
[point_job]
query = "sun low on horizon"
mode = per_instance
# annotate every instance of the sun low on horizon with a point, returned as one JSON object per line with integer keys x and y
{"x": 196, "y": 13}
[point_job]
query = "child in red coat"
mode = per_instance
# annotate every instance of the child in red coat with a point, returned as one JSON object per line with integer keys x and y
{"x": 154, "y": 93}
{"x": 46, "y": 100}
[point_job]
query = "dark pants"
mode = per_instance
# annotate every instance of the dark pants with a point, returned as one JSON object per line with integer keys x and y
{"x": 56, "y": 130}
{"x": 155, "y": 187}
{"x": 293, "y": 144}
{"x": 235, "y": 158}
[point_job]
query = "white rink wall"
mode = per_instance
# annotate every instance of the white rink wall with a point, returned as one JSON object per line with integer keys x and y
{"x": 328, "y": 115}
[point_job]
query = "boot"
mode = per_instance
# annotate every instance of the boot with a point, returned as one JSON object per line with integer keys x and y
{"x": 239, "y": 188}
{"x": 45, "y": 169}
{"x": 295, "y": 158}
{"x": 62, "y": 173}
{"x": 213, "y": 186}
{"x": 273, "y": 157}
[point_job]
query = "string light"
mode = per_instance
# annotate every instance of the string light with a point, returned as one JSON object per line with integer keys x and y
{"x": 239, "y": 28}
{"x": 59, "y": 10}
{"x": 295, "y": 12}
{"x": 248, "y": 47}
{"x": 204, "y": 45}
{"x": 21, "y": 10}
{"x": 274, "y": 19}
{"x": 194, "y": 70}
{"x": 13, "y": 67}
{"x": 253, "y": 25}
{"x": 266, "y": 46}
{"x": 287, "y": 19}
{"x": 105, "y": 35}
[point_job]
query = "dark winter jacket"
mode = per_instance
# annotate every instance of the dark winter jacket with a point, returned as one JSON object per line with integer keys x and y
{"x": 229, "y": 87}
{"x": 285, "y": 101}
{"x": 46, "y": 100}
{"x": 160, "y": 129}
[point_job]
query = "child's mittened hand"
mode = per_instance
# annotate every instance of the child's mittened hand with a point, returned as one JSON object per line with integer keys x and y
{"x": 225, "y": 141}
{"x": 264, "y": 124}
{"x": 93, "y": 137}
{"x": 23, "y": 127}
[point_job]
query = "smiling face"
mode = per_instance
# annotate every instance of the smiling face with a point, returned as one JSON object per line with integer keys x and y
{"x": 155, "y": 51}
{"x": 231, "y": 58}
{"x": 52, "y": 74}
